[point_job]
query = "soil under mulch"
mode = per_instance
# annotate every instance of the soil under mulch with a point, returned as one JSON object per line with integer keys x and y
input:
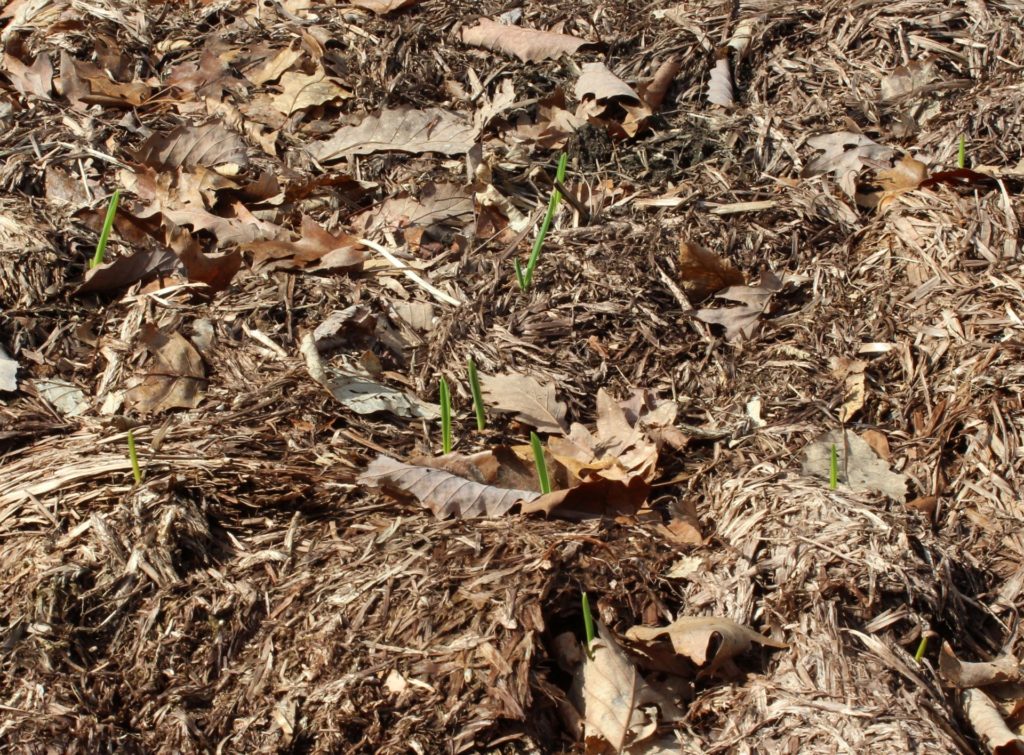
{"x": 251, "y": 595}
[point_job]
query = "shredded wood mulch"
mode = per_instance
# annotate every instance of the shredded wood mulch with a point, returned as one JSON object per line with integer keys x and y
{"x": 846, "y": 186}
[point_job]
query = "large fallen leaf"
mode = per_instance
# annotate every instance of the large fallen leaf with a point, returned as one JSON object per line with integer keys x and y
{"x": 215, "y": 269}
{"x": 531, "y": 403}
{"x": 438, "y": 204}
{"x": 35, "y": 80}
{"x": 844, "y": 154}
{"x": 84, "y": 84}
{"x": 851, "y": 372}
{"x": 210, "y": 145}
{"x": 597, "y": 81}
{"x": 740, "y": 322}
{"x": 315, "y": 250}
{"x": 444, "y": 493}
{"x": 988, "y": 722}
{"x": 529, "y": 45}
{"x": 381, "y": 7}
{"x": 8, "y": 372}
{"x": 360, "y": 393}
{"x": 616, "y": 703}
{"x": 617, "y": 451}
{"x": 1003, "y": 670}
{"x": 860, "y": 468}
{"x": 597, "y": 497}
{"x": 301, "y": 90}
{"x": 400, "y": 130}
{"x": 174, "y": 377}
{"x": 121, "y": 272}
{"x": 904, "y": 176}
{"x": 907, "y": 79}
{"x": 720, "y": 84}
{"x": 708, "y": 642}
{"x": 702, "y": 272}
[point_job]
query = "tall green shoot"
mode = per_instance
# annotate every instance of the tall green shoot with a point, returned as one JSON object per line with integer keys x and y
{"x": 961, "y": 153}
{"x": 108, "y": 223}
{"x": 478, "y": 399}
{"x": 446, "y": 417}
{"x": 542, "y": 466}
{"x": 588, "y": 623}
{"x": 525, "y": 277}
{"x": 134, "y": 457}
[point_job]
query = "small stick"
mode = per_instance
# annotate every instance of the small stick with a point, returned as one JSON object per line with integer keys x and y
{"x": 409, "y": 273}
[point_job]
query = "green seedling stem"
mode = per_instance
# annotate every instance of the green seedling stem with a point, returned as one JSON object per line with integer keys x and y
{"x": 478, "y": 399}
{"x": 525, "y": 277}
{"x": 833, "y": 468}
{"x": 922, "y": 646}
{"x": 108, "y": 223}
{"x": 961, "y": 154}
{"x": 446, "y": 417}
{"x": 588, "y": 624}
{"x": 136, "y": 470}
{"x": 542, "y": 466}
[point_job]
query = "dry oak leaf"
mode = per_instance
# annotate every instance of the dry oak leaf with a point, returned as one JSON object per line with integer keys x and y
{"x": 1003, "y": 670}
{"x": 845, "y": 154}
{"x": 987, "y": 721}
{"x": 210, "y": 146}
{"x": 904, "y": 176}
{"x": 529, "y": 45}
{"x": 300, "y": 91}
{"x": 444, "y": 493}
{"x": 531, "y": 403}
{"x": 380, "y": 7}
{"x": 707, "y": 641}
{"x": 400, "y": 130}
{"x": 720, "y": 84}
{"x": 702, "y": 272}
{"x": 851, "y": 372}
{"x": 84, "y": 84}
{"x": 35, "y": 80}
{"x": 616, "y": 703}
{"x": 907, "y": 79}
{"x": 597, "y": 81}
{"x": 860, "y": 468}
{"x": 316, "y": 249}
{"x": 175, "y": 376}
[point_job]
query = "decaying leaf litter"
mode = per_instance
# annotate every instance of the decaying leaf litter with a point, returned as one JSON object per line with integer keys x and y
{"x": 768, "y": 256}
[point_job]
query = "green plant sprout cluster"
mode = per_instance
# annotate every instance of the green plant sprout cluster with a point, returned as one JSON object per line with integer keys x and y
{"x": 525, "y": 277}
{"x": 108, "y": 223}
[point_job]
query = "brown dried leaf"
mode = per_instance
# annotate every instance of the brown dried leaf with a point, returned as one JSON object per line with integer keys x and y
{"x": 300, "y": 91}
{"x": 35, "y": 80}
{"x": 907, "y": 79}
{"x": 121, "y": 272}
{"x": 215, "y": 270}
{"x": 702, "y": 272}
{"x": 531, "y": 403}
{"x": 444, "y": 493}
{"x": 399, "y": 130}
{"x": 597, "y": 497}
{"x": 360, "y": 393}
{"x": 380, "y": 7}
{"x": 437, "y": 204}
{"x": 707, "y": 641}
{"x": 720, "y": 84}
{"x": 316, "y": 249}
{"x": 84, "y": 84}
{"x": 175, "y": 376}
{"x": 989, "y": 724}
{"x": 597, "y": 81}
{"x": 844, "y": 155}
{"x": 210, "y": 146}
{"x": 904, "y": 176}
{"x": 962, "y": 674}
{"x": 851, "y": 372}
{"x": 529, "y": 45}
{"x": 859, "y": 466}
